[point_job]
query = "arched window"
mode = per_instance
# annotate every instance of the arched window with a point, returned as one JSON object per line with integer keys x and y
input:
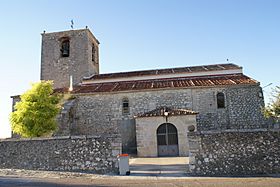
{"x": 125, "y": 106}
{"x": 220, "y": 100}
{"x": 65, "y": 48}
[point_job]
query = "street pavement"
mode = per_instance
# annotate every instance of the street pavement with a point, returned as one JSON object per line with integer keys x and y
{"x": 128, "y": 181}
{"x": 145, "y": 172}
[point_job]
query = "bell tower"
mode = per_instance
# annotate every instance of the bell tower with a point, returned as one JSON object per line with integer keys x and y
{"x": 69, "y": 53}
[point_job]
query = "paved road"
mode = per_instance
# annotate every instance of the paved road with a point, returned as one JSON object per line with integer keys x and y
{"x": 139, "y": 181}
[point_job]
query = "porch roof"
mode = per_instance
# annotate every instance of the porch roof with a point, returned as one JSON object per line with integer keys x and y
{"x": 166, "y": 111}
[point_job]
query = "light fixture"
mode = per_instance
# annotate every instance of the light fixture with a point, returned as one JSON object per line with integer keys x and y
{"x": 165, "y": 113}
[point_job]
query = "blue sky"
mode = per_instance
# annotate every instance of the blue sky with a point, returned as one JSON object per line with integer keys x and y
{"x": 142, "y": 34}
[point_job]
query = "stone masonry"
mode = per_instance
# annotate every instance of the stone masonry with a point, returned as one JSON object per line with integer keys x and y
{"x": 76, "y": 153}
{"x": 235, "y": 153}
{"x": 80, "y": 63}
{"x": 101, "y": 113}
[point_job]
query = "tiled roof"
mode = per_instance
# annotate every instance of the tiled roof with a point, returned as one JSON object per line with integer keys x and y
{"x": 191, "y": 69}
{"x": 182, "y": 82}
{"x": 171, "y": 112}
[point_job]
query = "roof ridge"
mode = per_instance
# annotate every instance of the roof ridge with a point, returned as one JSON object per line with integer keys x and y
{"x": 159, "y": 71}
{"x": 173, "y": 78}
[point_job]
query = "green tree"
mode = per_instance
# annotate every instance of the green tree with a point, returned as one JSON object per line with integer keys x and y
{"x": 35, "y": 115}
{"x": 273, "y": 108}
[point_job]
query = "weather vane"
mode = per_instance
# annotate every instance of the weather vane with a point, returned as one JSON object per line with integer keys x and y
{"x": 72, "y": 23}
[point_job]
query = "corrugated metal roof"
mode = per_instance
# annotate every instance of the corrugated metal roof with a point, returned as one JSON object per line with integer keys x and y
{"x": 191, "y": 69}
{"x": 182, "y": 82}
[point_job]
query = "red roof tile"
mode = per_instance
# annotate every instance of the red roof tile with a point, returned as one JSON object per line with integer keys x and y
{"x": 171, "y": 112}
{"x": 182, "y": 82}
{"x": 190, "y": 69}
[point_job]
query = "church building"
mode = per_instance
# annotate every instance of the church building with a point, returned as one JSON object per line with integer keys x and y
{"x": 152, "y": 110}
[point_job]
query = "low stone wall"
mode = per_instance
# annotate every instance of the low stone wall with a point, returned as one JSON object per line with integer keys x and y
{"x": 79, "y": 153}
{"x": 235, "y": 153}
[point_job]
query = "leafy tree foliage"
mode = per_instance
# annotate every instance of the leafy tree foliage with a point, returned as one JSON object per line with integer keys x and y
{"x": 35, "y": 115}
{"x": 273, "y": 109}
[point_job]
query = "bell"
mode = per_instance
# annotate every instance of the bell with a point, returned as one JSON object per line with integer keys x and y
{"x": 65, "y": 52}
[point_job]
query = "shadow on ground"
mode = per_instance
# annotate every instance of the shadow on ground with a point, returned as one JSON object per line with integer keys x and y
{"x": 31, "y": 182}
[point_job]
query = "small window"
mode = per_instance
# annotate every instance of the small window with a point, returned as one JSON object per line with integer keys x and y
{"x": 65, "y": 48}
{"x": 93, "y": 53}
{"x": 125, "y": 106}
{"x": 221, "y": 100}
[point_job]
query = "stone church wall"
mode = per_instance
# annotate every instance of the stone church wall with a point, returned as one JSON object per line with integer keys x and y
{"x": 80, "y": 153}
{"x": 101, "y": 113}
{"x": 242, "y": 108}
{"x": 240, "y": 153}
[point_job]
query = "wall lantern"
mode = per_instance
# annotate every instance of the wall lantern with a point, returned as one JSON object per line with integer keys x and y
{"x": 165, "y": 114}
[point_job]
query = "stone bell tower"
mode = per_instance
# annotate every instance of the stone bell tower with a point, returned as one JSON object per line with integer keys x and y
{"x": 69, "y": 53}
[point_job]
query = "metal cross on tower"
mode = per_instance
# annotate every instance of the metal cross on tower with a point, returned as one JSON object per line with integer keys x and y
{"x": 72, "y": 23}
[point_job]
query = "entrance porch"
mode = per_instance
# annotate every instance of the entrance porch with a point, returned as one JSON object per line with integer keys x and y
{"x": 163, "y": 132}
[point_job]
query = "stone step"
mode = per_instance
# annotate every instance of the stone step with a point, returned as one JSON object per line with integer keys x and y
{"x": 161, "y": 167}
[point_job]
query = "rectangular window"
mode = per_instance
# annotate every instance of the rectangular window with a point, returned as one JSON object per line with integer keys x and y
{"x": 65, "y": 48}
{"x": 220, "y": 100}
{"x": 125, "y": 106}
{"x": 93, "y": 53}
